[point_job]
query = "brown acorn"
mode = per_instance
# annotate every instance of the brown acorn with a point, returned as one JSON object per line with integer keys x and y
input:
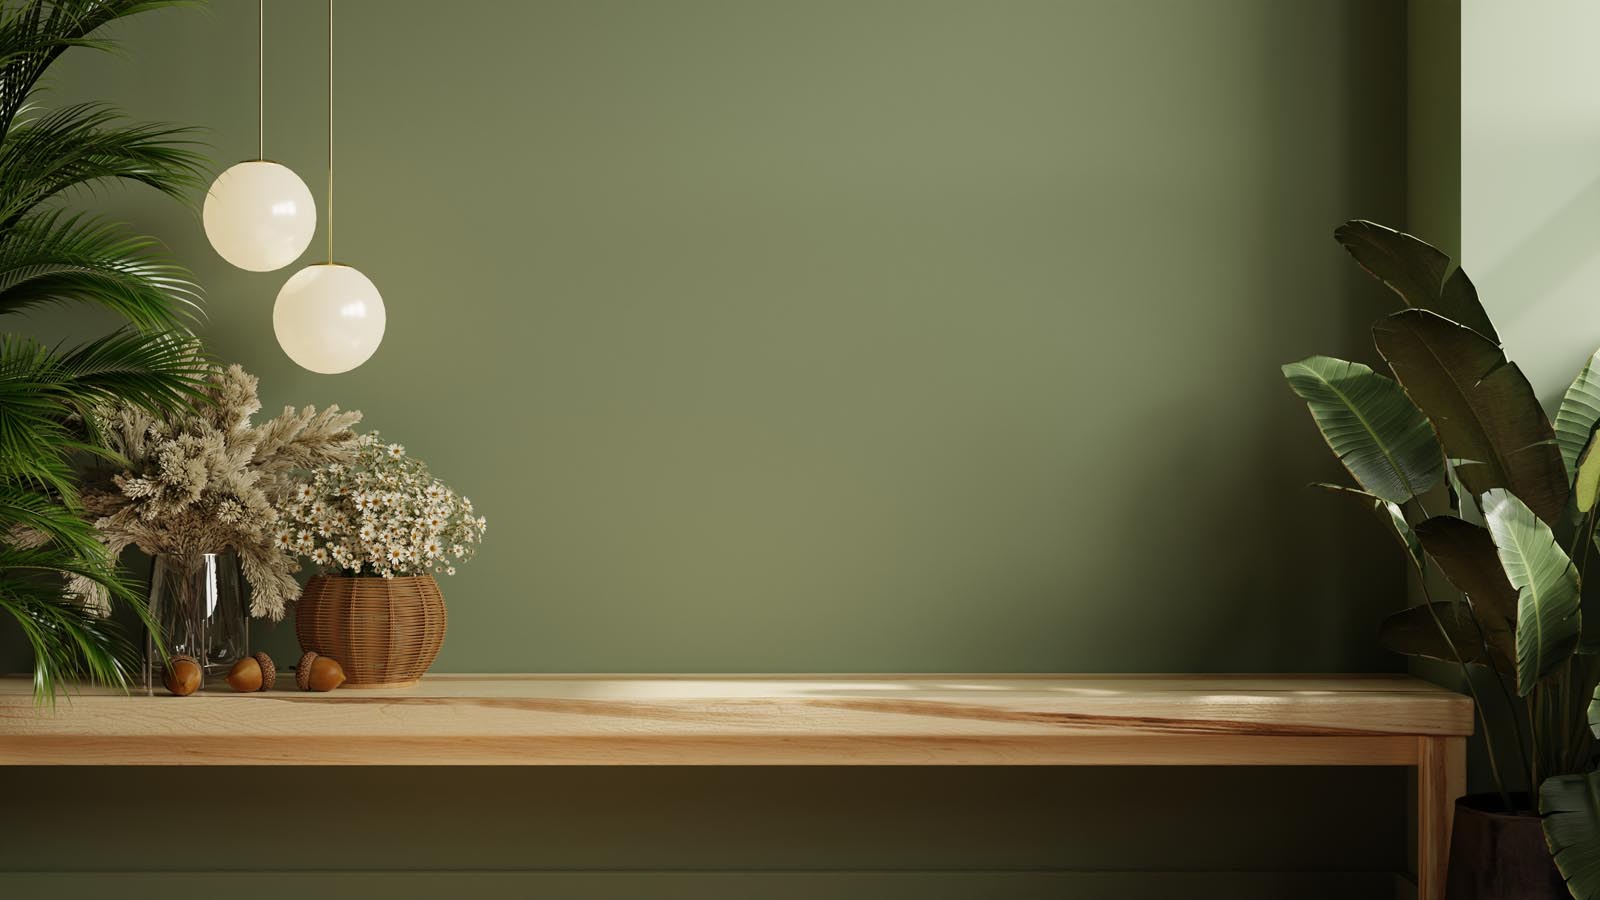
{"x": 183, "y": 676}
{"x": 269, "y": 671}
{"x": 253, "y": 673}
{"x": 318, "y": 673}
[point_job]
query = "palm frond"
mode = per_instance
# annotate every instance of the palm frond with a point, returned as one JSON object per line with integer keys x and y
{"x": 49, "y": 397}
{"x": 34, "y": 33}
{"x": 51, "y": 257}
{"x": 68, "y": 640}
{"x": 158, "y": 372}
{"x": 48, "y": 152}
{"x": 35, "y": 441}
{"x": 32, "y": 518}
{"x": 51, "y": 558}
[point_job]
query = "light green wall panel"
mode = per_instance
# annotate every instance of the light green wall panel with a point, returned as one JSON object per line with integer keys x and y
{"x": 1530, "y": 180}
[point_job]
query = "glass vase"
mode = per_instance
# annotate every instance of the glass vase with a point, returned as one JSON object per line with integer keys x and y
{"x": 198, "y": 607}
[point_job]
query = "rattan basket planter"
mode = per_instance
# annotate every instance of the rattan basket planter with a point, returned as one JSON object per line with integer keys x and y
{"x": 385, "y": 632}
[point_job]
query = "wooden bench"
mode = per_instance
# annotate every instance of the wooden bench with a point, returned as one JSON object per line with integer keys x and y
{"x": 770, "y": 720}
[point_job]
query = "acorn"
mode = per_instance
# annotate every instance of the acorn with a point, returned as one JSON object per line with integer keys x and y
{"x": 318, "y": 673}
{"x": 253, "y": 673}
{"x": 183, "y": 676}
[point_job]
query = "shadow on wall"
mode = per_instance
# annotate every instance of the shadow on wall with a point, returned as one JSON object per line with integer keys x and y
{"x": 1552, "y": 267}
{"x": 1292, "y": 567}
{"x": 711, "y": 819}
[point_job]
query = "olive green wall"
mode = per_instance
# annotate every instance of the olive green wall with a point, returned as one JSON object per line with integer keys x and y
{"x": 1433, "y": 122}
{"x": 835, "y": 335}
{"x": 828, "y": 335}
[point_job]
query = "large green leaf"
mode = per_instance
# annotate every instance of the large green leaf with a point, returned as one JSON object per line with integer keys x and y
{"x": 1488, "y": 418}
{"x": 1594, "y": 711}
{"x": 1424, "y": 276}
{"x": 1466, "y": 554}
{"x": 1442, "y": 631}
{"x": 1391, "y": 514}
{"x": 1579, "y": 411}
{"x": 1571, "y": 808}
{"x": 1546, "y": 582}
{"x": 1586, "y": 486}
{"x": 1370, "y": 424}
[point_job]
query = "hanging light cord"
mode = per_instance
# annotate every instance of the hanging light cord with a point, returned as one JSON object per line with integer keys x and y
{"x": 261, "y": 79}
{"x": 330, "y": 132}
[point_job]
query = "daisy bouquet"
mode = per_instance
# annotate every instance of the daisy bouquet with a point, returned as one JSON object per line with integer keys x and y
{"x": 381, "y": 514}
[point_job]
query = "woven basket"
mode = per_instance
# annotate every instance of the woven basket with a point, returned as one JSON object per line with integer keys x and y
{"x": 385, "y": 632}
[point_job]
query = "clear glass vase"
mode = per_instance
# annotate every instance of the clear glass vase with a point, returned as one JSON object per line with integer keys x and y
{"x": 198, "y": 606}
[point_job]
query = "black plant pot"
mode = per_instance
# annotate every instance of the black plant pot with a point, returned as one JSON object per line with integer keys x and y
{"x": 1495, "y": 855}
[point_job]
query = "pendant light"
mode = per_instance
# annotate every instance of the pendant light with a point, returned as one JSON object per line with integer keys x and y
{"x": 258, "y": 214}
{"x": 329, "y": 317}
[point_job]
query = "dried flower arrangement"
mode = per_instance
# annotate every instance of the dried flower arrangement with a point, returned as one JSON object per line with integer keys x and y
{"x": 382, "y": 514}
{"x": 209, "y": 480}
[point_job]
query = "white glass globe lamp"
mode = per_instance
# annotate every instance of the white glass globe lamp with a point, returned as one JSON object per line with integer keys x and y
{"x": 328, "y": 318}
{"x": 259, "y": 215}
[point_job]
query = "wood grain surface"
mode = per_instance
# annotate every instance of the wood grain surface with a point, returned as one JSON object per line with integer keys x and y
{"x": 753, "y": 720}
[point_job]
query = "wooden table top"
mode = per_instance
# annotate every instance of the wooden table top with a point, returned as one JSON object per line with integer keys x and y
{"x": 751, "y": 720}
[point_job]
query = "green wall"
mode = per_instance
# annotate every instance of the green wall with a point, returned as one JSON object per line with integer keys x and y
{"x": 1530, "y": 187}
{"x": 826, "y": 336}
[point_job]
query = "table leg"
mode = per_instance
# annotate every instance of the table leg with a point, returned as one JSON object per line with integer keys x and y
{"x": 1441, "y": 778}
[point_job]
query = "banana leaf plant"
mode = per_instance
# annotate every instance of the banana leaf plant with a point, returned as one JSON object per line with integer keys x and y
{"x": 1483, "y": 494}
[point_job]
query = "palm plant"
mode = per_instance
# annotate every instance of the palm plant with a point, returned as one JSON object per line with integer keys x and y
{"x": 1456, "y": 438}
{"x": 50, "y": 256}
